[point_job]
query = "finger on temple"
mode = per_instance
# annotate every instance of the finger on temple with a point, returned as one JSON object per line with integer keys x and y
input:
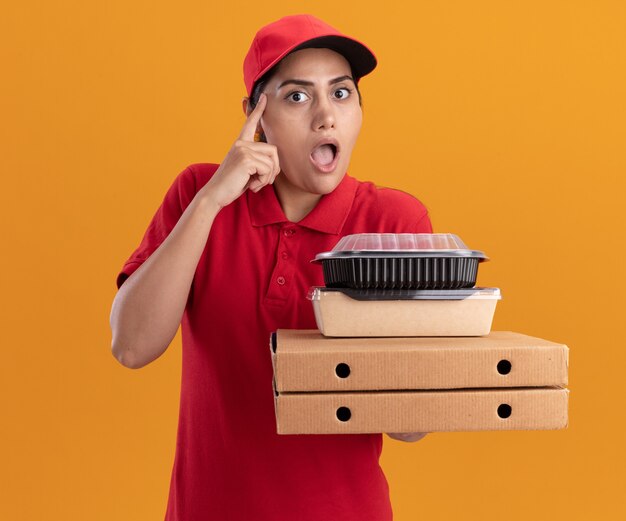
{"x": 249, "y": 127}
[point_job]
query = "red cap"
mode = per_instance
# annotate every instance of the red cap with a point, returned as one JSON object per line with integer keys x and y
{"x": 274, "y": 41}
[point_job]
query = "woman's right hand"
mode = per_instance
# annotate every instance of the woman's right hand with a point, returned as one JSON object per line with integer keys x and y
{"x": 248, "y": 164}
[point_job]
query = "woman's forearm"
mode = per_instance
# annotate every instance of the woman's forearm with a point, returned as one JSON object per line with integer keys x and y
{"x": 149, "y": 306}
{"x": 407, "y": 436}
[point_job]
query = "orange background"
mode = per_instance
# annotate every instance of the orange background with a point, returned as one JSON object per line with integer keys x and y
{"x": 507, "y": 119}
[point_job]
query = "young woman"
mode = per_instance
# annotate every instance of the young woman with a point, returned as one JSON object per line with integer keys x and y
{"x": 228, "y": 254}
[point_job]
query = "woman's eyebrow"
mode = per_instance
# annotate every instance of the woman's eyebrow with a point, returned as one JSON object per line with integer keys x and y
{"x": 341, "y": 78}
{"x": 311, "y": 84}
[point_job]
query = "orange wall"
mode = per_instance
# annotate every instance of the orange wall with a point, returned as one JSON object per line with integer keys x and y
{"x": 507, "y": 119}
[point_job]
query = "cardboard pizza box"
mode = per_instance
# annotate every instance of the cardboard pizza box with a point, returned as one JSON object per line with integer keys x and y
{"x": 306, "y": 361}
{"x": 422, "y": 411}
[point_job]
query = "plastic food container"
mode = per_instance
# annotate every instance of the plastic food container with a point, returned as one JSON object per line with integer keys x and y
{"x": 365, "y": 313}
{"x": 400, "y": 261}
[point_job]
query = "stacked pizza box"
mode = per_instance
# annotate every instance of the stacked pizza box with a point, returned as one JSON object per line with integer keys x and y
{"x": 405, "y": 345}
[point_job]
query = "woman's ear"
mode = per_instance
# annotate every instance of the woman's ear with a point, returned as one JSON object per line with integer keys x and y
{"x": 245, "y": 102}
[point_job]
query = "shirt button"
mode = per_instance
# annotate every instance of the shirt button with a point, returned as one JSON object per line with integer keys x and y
{"x": 284, "y": 255}
{"x": 281, "y": 280}
{"x": 289, "y": 232}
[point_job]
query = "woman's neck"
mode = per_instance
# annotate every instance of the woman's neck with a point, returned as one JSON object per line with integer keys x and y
{"x": 296, "y": 203}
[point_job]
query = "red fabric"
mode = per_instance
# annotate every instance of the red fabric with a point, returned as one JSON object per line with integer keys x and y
{"x": 276, "y": 40}
{"x": 230, "y": 464}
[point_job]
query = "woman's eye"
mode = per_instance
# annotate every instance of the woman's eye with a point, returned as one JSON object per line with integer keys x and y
{"x": 297, "y": 97}
{"x": 342, "y": 93}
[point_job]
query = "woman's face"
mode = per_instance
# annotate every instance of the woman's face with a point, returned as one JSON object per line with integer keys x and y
{"x": 313, "y": 117}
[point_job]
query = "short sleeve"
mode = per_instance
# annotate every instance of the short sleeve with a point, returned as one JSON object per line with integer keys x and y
{"x": 401, "y": 212}
{"x": 178, "y": 196}
{"x": 423, "y": 224}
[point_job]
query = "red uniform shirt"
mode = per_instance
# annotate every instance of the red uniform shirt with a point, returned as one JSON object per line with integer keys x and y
{"x": 252, "y": 278}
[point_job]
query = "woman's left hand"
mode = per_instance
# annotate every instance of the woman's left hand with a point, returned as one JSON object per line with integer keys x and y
{"x": 407, "y": 436}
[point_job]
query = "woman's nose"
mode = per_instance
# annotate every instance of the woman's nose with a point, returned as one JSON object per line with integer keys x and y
{"x": 324, "y": 117}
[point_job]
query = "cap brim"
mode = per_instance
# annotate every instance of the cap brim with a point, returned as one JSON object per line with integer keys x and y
{"x": 362, "y": 60}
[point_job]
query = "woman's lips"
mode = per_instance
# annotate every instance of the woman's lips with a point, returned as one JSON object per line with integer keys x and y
{"x": 325, "y": 157}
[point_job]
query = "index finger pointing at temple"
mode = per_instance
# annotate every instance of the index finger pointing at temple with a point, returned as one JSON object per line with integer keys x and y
{"x": 249, "y": 127}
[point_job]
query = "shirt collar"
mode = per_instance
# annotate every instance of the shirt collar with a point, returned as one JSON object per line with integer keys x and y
{"x": 328, "y": 216}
